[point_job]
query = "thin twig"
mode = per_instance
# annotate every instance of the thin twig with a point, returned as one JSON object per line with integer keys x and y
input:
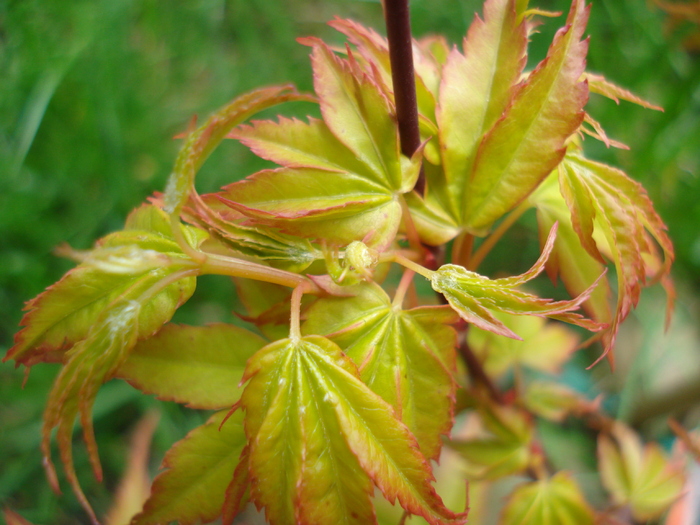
{"x": 477, "y": 373}
{"x": 398, "y": 30}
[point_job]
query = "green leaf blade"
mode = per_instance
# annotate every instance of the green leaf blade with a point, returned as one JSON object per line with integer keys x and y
{"x": 555, "y": 501}
{"x": 406, "y": 357}
{"x": 361, "y": 437}
{"x": 625, "y": 223}
{"x": 199, "y": 468}
{"x": 315, "y": 203}
{"x": 528, "y": 142}
{"x": 476, "y": 88}
{"x": 197, "y": 366}
{"x": 360, "y": 116}
{"x": 293, "y": 143}
{"x": 200, "y": 143}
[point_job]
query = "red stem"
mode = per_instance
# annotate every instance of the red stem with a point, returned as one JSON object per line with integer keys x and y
{"x": 398, "y": 29}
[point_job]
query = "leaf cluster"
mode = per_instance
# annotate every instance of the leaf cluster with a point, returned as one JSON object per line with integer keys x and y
{"x": 344, "y": 381}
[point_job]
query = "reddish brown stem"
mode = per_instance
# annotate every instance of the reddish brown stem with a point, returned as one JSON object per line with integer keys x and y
{"x": 478, "y": 374}
{"x": 398, "y": 29}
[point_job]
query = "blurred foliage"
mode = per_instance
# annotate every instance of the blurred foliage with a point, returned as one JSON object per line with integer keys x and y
{"x": 93, "y": 91}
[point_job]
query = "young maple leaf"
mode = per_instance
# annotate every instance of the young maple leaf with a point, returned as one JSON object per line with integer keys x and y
{"x": 612, "y": 214}
{"x": 405, "y": 356}
{"x": 475, "y": 297}
{"x": 329, "y": 438}
{"x": 341, "y": 177}
{"x": 199, "y": 469}
{"x": 528, "y": 140}
{"x": 476, "y": 89}
{"x": 91, "y": 319}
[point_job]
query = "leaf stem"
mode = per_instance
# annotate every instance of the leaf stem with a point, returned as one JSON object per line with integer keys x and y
{"x": 406, "y": 280}
{"x": 398, "y": 29}
{"x": 411, "y": 232}
{"x": 221, "y": 265}
{"x": 477, "y": 373}
{"x": 295, "y": 317}
{"x": 165, "y": 282}
{"x": 462, "y": 249}
{"x": 486, "y": 246}
{"x": 408, "y": 263}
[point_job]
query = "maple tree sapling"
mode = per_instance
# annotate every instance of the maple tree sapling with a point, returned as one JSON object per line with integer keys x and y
{"x": 346, "y": 381}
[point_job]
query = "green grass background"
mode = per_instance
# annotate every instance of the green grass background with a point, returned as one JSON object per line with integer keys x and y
{"x": 92, "y": 92}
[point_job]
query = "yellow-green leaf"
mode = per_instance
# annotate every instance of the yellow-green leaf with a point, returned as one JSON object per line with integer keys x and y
{"x": 613, "y": 215}
{"x": 476, "y": 88}
{"x": 569, "y": 259}
{"x": 339, "y": 207}
{"x": 405, "y": 356}
{"x": 637, "y": 475}
{"x": 553, "y": 501}
{"x": 477, "y": 298}
{"x": 200, "y": 143}
{"x": 199, "y": 366}
{"x": 528, "y": 142}
{"x": 550, "y": 400}
{"x": 198, "y": 470}
{"x": 328, "y": 435}
{"x": 121, "y": 266}
{"x": 501, "y": 448}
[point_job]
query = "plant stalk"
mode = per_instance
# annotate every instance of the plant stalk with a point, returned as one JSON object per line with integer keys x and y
{"x": 398, "y": 30}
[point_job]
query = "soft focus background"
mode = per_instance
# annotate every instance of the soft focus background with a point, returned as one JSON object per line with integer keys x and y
{"x": 93, "y": 91}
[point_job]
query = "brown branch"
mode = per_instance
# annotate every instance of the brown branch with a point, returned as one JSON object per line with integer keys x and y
{"x": 477, "y": 373}
{"x": 398, "y": 29}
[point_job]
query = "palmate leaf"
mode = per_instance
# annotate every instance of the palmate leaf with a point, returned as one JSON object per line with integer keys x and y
{"x": 63, "y": 314}
{"x": 613, "y": 215}
{"x": 92, "y": 318}
{"x": 201, "y": 142}
{"x": 528, "y": 141}
{"x": 476, "y": 298}
{"x": 405, "y": 356}
{"x": 476, "y": 89}
{"x": 199, "y": 469}
{"x": 329, "y": 437}
{"x": 503, "y": 446}
{"x": 341, "y": 177}
{"x": 374, "y": 49}
{"x": 199, "y": 366}
{"x": 569, "y": 259}
{"x": 638, "y": 475}
{"x": 553, "y": 501}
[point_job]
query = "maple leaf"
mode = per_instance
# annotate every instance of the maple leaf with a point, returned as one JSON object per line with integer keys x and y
{"x": 552, "y": 501}
{"x": 200, "y": 143}
{"x": 638, "y": 475}
{"x": 476, "y": 89}
{"x": 199, "y": 366}
{"x": 329, "y": 437}
{"x": 613, "y": 215}
{"x": 501, "y": 448}
{"x": 528, "y": 141}
{"x": 63, "y": 314}
{"x": 476, "y": 297}
{"x": 346, "y": 190}
{"x": 229, "y": 234}
{"x": 92, "y": 318}
{"x": 405, "y": 356}
{"x": 569, "y": 259}
{"x": 198, "y": 470}
{"x": 374, "y": 49}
